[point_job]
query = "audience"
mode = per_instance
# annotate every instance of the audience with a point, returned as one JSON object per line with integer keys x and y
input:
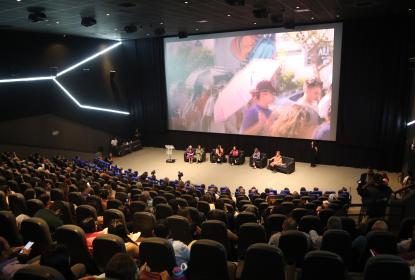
{"x": 117, "y": 227}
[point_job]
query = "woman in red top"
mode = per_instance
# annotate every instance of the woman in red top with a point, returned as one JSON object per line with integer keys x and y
{"x": 233, "y": 155}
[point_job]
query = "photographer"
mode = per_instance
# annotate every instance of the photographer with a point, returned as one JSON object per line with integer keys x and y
{"x": 375, "y": 193}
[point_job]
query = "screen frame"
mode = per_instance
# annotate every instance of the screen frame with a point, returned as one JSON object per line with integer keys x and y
{"x": 337, "y": 51}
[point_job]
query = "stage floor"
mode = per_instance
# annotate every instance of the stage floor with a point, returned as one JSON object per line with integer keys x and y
{"x": 325, "y": 177}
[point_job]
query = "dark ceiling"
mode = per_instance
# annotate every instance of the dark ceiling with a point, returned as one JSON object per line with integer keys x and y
{"x": 64, "y": 16}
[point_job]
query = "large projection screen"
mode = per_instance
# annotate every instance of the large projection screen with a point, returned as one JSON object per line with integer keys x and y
{"x": 270, "y": 82}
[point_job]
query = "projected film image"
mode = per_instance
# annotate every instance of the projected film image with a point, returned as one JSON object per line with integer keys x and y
{"x": 277, "y": 84}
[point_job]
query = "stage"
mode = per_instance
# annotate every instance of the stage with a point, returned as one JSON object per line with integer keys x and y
{"x": 325, "y": 177}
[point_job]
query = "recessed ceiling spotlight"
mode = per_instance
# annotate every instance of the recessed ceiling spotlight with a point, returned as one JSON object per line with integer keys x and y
{"x": 18, "y": 0}
{"x": 57, "y": 22}
{"x": 202, "y": 21}
{"x": 108, "y": 14}
{"x": 161, "y": 23}
{"x": 254, "y": 23}
{"x": 312, "y": 18}
{"x": 297, "y": 7}
{"x": 148, "y": 34}
{"x": 186, "y": 2}
{"x": 228, "y": 15}
{"x": 409, "y": 9}
{"x": 197, "y": 29}
{"x": 337, "y": 16}
{"x": 115, "y": 29}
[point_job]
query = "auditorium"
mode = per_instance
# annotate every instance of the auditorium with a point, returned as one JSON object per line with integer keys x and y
{"x": 207, "y": 139}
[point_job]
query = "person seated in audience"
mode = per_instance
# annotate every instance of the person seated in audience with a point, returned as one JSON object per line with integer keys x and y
{"x": 219, "y": 152}
{"x": 190, "y": 154}
{"x": 233, "y": 155}
{"x": 255, "y": 156}
{"x": 90, "y": 228}
{"x": 121, "y": 266}
{"x": 11, "y": 260}
{"x": 194, "y": 221}
{"x": 181, "y": 251}
{"x": 117, "y": 227}
{"x": 288, "y": 224}
{"x": 57, "y": 257}
{"x": 199, "y": 154}
{"x": 332, "y": 223}
{"x": 109, "y": 158}
{"x": 359, "y": 243}
{"x": 51, "y": 217}
{"x": 276, "y": 160}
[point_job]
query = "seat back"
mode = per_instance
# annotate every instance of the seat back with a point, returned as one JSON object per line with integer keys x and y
{"x": 105, "y": 247}
{"x": 38, "y": 272}
{"x": 310, "y": 222}
{"x": 144, "y": 222}
{"x": 95, "y": 201}
{"x": 216, "y": 230}
{"x": 137, "y": 206}
{"x": 36, "y": 230}
{"x": 33, "y": 205}
{"x": 3, "y": 203}
{"x": 273, "y": 223}
{"x": 73, "y": 237}
{"x": 163, "y": 211}
{"x": 316, "y": 262}
{"x": 250, "y": 233}
{"x": 298, "y": 213}
{"x": 114, "y": 204}
{"x": 180, "y": 228}
{"x": 405, "y": 229}
{"x": 263, "y": 261}
{"x": 76, "y": 198}
{"x": 349, "y": 225}
{"x": 217, "y": 214}
{"x": 8, "y": 228}
{"x": 203, "y": 207}
{"x": 121, "y": 196}
{"x": 17, "y": 204}
{"x": 56, "y": 194}
{"x": 159, "y": 200}
{"x": 213, "y": 251}
{"x": 382, "y": 242}
{"x": 294, "y": 245}
{"x": 112, "y": 214}
{"x": 244, "y": 217}
{"x": 158, "y": 254}
{"x": 85, "y": 211}
{"x": 338, "y": 241}
{"x": 325, "y": 214}
{"x": 386, "y": 267}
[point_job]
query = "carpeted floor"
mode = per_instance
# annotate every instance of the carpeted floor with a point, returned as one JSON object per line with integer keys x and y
{"x": 325, "y": 177}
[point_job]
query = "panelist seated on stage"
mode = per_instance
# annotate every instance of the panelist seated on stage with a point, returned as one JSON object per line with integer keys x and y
{"x": 218, "y": 155}
{"x": 199, "y": 154}
{"x": 236, "y": 156}
{"x": 189, "y": 154}
{"x": 282, "y": 164}
{"x": 258, "y": 159}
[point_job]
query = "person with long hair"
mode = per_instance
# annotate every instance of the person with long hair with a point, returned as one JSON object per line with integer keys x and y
{"x": 219, "y": 152}
{"x": 117, "y": 227}
{"x": 276, "y": 160}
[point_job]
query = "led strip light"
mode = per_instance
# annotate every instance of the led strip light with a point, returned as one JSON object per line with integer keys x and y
{"x": 64, "y": 90}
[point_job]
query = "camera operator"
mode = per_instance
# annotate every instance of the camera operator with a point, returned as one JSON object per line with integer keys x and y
{"x": 375, "y": 193}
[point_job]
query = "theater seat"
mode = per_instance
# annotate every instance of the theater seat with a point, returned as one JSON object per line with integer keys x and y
{"x": 137, "y": 206}
{"x": 85, "y": 211}
{"x": 287, "y": 168}
{"x": 239, "y": 160}
{"x": 386, "y": 267}
{"x": 38, "y": 272}
{"x": 310, "y": 222}
{"x": 112, "y": 214}
{"x": 216, "y": 230}
{"x": 249, "y": 233}
{"x": 36, "y": 230}
{"x": 338, "y": 241}
{"x": 73, "y": 237}
{"x": 180, "y": 229}
{"x": 294, "y": 244}
{"x": 158, "y": 254}
{"x": 144, "y": 222}
{"x": 105, "y": 247}
{"x": 17, "y": 204}
{"x": 8, "y": 228}
{"x": 208, "y": 261}
{"x": 323, "y": 265}
{"x": 163, "y": 211}
{"x": 214, "y": 158}
{"x": 33, "y": 205}
{"x": 263, "y": 261}
{"x": 273, "y": 223}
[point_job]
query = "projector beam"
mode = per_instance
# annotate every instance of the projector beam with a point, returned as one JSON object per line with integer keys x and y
{"x": 87, "y": 106}
{"x": 410, "y": 123}
{"x": 29, "y": 79}
{"x": 88, "y": 59}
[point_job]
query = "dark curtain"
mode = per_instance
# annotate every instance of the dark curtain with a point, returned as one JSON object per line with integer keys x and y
{"x": 373, "y": 102}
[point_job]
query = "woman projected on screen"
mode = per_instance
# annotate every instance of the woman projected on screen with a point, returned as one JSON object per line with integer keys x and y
{"x": 255, "y": 120}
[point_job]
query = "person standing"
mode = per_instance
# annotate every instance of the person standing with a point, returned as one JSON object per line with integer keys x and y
{"x": 313, "y": 154}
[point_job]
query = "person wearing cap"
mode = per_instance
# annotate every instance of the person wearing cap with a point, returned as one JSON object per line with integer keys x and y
{"x": 255, "y": 118}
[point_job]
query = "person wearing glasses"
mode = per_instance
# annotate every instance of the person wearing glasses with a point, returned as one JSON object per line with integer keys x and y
{"x": 312, "y": 93}
{"x": 255, "y": 119}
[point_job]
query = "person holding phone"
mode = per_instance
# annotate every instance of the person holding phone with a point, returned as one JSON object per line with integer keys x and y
{"x": 12, "y": 258}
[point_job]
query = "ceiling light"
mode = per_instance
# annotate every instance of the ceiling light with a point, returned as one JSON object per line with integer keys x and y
{"x": 297, "y": 7}
{"x": 302, "y": 10}
{"x": 18, "y": 0}
{"x": 197, "y": 29}
{"x": 312, "y": 18}
{"x": 228, "y": 15}
{"x": 30, "y": 79}
{"x": 161, "y": 23}
{"x": 57, "y": 22}
{"x": 409, "y": 9}
{"x": 410, "y": 123}
{"x": 186, "y": 2}
{"x": 337, "y": 16}
{"x": 108, "y": 14}
{"x": 148, "y": 34}
{"x": 254, "y": 23}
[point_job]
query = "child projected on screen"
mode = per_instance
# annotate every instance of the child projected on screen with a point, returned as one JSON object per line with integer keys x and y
{"x": 255, "y": 119}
